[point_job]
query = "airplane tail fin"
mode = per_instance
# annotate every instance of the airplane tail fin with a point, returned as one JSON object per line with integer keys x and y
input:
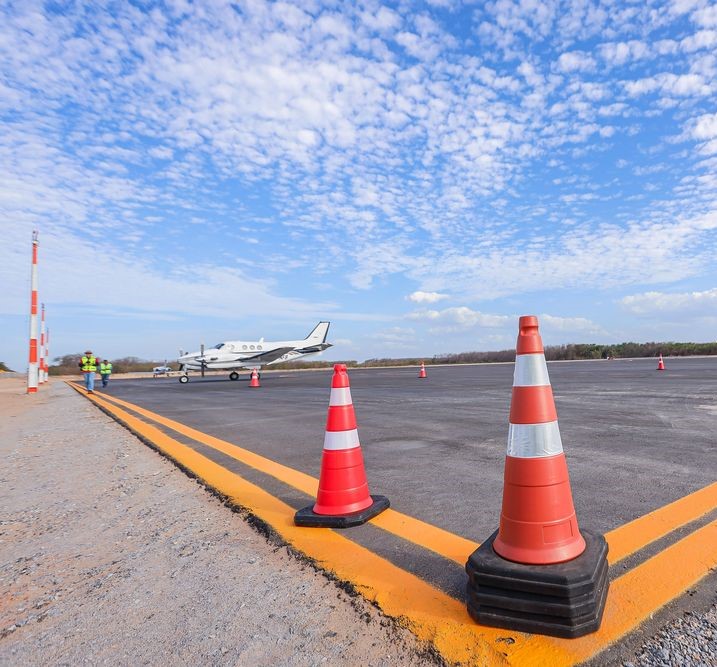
{"x": 318, "y": 335}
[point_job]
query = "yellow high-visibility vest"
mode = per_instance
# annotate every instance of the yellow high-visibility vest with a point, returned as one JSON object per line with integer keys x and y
{"x": 89, "y": 364}
{"x": 105, "y": 368}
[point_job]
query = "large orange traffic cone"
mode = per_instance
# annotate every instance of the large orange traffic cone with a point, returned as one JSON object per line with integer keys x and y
{"x": 538, "y": 523}
{"x": 343, "y": 499}
{"x": 660, "y": 364}
{"x": 254, "y": 382}
{"x": 422, "y": 372}
{"x": 537, "y": 572}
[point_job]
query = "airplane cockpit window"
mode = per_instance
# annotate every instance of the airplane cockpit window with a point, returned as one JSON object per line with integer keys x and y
{"x": 218, "y": 346}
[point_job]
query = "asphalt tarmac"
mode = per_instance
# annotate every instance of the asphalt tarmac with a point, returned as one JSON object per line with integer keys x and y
{"x": 635, "y": 439}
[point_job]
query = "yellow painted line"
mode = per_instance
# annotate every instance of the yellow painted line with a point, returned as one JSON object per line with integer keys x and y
{"x": 426, "y": 535}
{"x": 433, "y": 615}
{"x": 633, "y": 536}
{"x": 429, "y": 613}
{"x": 633, "y": 597}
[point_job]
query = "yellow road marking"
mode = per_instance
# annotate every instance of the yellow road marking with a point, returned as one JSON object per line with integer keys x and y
{"x": 442, "y": 542}
{"x": 632, "y": 598}
{"x": 429, "y": 613}
{"x": 433, "y": 615}
{"x": 633, "y": 536}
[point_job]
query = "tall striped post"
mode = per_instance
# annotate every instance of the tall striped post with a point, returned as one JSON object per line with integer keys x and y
{"x": 47, "y": 355}
{"x": 41, "y": 362}
{"x": 538, "y": 572}
{"x": 32, "y": 369}
{"x": 343, "y": 498}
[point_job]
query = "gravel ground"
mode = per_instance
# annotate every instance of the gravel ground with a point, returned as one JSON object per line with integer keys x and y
{"x": 110, "y": 555}
{"x": 690, "y": 640}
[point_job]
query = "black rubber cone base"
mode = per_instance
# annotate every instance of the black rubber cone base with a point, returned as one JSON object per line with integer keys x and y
{"x": 307, "y": 517}
{"x": 562, "y": 600}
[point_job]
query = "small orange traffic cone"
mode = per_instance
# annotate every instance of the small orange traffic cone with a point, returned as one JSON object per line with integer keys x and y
{"x": 537, "y": 572}
{"x": 343, "y": 499}
{"x": 254, "y": 379}
{"x": 422, "y": 372}
{"x": 660, "y": 364}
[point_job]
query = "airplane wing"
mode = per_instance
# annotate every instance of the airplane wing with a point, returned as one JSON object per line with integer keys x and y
{"x": 266, "y": 357}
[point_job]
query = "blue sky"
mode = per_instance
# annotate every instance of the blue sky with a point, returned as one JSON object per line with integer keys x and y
{"x": 418, "y": 173}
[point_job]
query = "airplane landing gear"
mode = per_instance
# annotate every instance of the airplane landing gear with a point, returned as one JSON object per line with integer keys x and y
{"x": 184, "y": 379}
{"x": 234, "y": 376}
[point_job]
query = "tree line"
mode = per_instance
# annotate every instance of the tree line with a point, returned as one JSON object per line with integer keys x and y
{"x": 68, "y": 364}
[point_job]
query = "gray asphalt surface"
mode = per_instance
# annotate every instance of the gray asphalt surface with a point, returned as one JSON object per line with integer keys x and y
{"x": 635, "y": 438}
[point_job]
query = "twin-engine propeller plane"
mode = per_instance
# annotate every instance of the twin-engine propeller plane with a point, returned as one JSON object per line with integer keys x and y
{"x": 235, "y": 354}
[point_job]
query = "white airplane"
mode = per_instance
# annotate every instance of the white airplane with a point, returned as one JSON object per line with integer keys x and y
{"x": 234, "y": 354}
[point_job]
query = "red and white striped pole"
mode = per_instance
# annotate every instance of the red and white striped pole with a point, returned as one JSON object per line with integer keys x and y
{"x": 32, "y": 369}
{"x": 47, "y": 355}
{"x": 41, "y": 364}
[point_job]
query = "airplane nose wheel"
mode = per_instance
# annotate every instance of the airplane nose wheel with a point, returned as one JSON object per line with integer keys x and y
{"x": 184, "y": 379}
{"x": 234, "y": 376}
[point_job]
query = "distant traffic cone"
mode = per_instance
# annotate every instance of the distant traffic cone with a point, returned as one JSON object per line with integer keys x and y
{"x": 343, "y": 499}
{"x": 254, "y": 379}
{"x": 422, "y": 372}
{"x": 660, "y": 364}
{"x": 537, "y": 572}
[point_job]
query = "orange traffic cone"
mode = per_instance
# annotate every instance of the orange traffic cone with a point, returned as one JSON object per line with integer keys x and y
{"x": 537, "y": 572}
{"x": 254, "y": 382}
{"x": 660, "y": 364}
{"x": 422, "y": 372}
{"x": 343, "y": 499}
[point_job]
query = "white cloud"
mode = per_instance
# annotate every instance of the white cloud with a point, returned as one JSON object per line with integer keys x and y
{"x": 135, "y": 286}
{"x": 706, "y": 16}
{"x": 569, "y": 324}
{"x": 575, "y": 61}
{"x": 618, "y": 53}
{"x": 426, "y": 297}
{"x": 462, "y": 316}
{"x": 657, "y": 304}
{"x": 705, "y": 127}
{"x": 683, "y": 85}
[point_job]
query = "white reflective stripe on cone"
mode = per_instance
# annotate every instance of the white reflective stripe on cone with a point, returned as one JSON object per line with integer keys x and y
{"x": 340, "y": 396}
{"x": 341, "y": 439}
{"x": 534, "y": 440}
{"x": 530, "y": 371}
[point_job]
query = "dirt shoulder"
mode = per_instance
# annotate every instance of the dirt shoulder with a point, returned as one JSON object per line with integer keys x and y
{"x": 111, "y": 554}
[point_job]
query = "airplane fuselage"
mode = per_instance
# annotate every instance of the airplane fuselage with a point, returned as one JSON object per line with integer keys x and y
{"x": 236, "y": 354}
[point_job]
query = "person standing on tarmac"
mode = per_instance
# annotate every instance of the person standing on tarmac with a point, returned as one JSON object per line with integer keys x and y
{"x": 88, "y": 365}
{"x": 105, "y": 371}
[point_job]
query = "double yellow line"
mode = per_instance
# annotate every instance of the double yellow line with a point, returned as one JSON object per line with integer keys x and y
{"x": 431, "y": 614}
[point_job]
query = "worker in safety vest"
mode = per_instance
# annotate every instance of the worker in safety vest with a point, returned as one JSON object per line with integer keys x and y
{"x": 105, "y": 371}
{"x": 88, "y": 365}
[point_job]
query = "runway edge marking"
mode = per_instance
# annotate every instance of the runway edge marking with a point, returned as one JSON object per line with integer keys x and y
{"x": 429, "y": 613}
{"x": 440, "y": 541}
{"x": 624, "y": 540}
{"x": 633, "y": 597}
